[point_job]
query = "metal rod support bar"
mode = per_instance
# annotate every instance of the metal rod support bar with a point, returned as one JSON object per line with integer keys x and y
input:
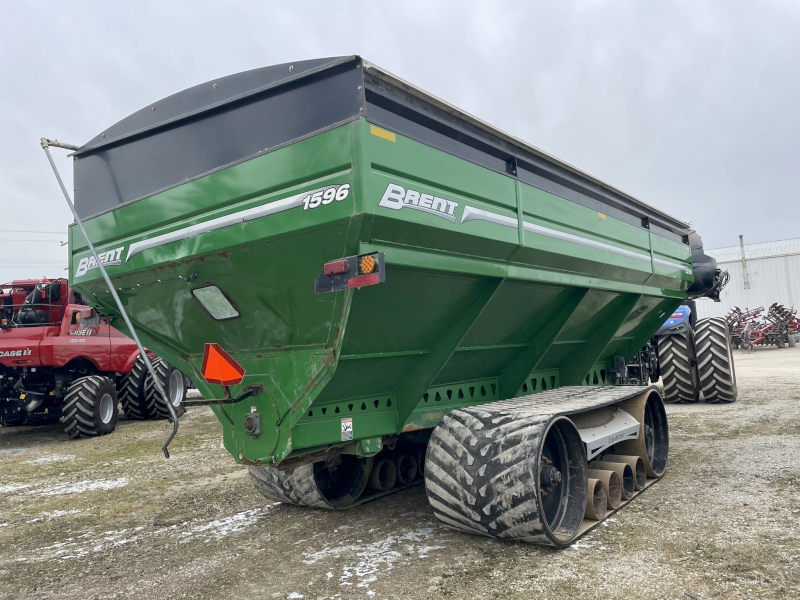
{"x": 46, "y": 146}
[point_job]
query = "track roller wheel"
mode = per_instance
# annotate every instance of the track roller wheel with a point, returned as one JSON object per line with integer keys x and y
{"x": 506, "y": 477}
{"x": 384, "y": 475}
{"x": 334, "y": 484}
{"x": 90, "y": 407}
{"x": 406, "y": 468}
{"x": 596, "y": 500}
{"x": 622, "y": 470}
{"x": 174, "y": 384}
{"x": 715, "y": 360}
{"x": 676, "y": 353}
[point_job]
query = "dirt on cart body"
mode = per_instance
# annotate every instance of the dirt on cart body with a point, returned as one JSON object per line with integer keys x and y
{"x": 111, "y": 518}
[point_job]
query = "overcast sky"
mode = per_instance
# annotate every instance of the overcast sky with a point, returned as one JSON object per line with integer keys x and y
{"x": 693, "y": 107}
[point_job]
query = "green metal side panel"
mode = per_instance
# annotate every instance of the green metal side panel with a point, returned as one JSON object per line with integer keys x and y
{"x": 497, "y": 289}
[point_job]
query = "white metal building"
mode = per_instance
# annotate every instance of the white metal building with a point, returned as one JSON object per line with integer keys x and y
{"x": 772, "y": 275}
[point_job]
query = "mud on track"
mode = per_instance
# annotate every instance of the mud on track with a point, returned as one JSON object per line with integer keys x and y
{"x": 110, "y": 518}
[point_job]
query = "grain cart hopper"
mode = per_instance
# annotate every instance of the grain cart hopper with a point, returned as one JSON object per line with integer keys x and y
{"x": 354, "y": 271}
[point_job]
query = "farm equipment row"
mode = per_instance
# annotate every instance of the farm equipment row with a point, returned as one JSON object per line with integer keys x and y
{"x": 749, "y": 328}
{"x": 61, "y": 361}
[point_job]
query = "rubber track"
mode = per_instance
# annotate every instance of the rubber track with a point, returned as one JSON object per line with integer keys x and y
{"x": 715, "y": 360}
{"x": 131, "y": 393}
{"x": 297, "y": 487}
{"x": 482, "y": 461}
{"x": 675, "y": 353}
{"x": 153, "y": 398}
{"x": 79, "y": 406}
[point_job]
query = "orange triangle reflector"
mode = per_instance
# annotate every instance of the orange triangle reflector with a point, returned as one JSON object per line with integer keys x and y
{"x": 218, "y": 366}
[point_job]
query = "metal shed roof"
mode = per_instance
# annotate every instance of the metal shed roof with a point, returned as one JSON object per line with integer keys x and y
{"x": 758, "y": 250}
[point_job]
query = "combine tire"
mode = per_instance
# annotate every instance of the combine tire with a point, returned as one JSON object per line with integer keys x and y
{"x": 90, "y": 407}
{"x": 174, "y": 384}
{"x": 675, "y": 355}
{"x": 715, "y": 360}
{"x": 132, "y": 394}
{"x": 338, "y": 484}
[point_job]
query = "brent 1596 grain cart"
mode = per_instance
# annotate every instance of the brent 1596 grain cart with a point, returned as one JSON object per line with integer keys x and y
{"x": 373, "y": 274}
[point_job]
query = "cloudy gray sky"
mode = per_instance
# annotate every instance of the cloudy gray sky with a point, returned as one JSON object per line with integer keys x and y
{"x": 691, "y": 106}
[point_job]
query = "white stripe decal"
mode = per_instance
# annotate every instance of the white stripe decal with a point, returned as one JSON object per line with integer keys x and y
{"x": 476, "y": 214}
{"x": 238, "y": 217}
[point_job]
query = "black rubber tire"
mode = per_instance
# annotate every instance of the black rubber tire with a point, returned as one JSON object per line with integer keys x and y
{"x": 132, "y": 394}
{"x": 715, "y": 360}
{"x": 82, "y": 413}
{"x": 164, "y": 371}
{"x": 676, "y": 353}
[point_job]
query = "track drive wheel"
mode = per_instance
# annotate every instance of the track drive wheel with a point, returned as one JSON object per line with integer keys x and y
{"x": 715, "y": 360}
{"x": 174, "y": 384}
{"x": 132, "y": 395}
{"x": 676, "y": 353}
{"x": 334, "y": 484}
{"x": 90, "y": 407}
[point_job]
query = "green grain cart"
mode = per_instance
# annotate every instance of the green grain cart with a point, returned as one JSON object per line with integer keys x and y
{"x": 391, "y": 291}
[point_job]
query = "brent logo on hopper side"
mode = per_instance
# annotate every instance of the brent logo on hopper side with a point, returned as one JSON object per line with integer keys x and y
{"x": 396, "y": 197}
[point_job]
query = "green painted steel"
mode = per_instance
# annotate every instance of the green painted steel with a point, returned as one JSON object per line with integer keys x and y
{"x": 496, "y": 289}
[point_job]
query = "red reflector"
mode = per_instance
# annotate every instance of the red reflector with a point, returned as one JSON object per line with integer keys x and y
{"x": 676, "y": 316}
{"x": 357, "y": 282}
{"x": 335, "y": 267}
{"x": 218, "y": 366}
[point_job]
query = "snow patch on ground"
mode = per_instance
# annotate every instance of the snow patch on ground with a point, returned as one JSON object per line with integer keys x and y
{"x": 81, "y": 486}
{"x": 83, "y": 545}
{"x": 93, "y": 541}
{"x": 13, "y": 487}
{"x": 219, "y": 528}
{"x": 50, "y": 459}
{"x": 371, "y": 559}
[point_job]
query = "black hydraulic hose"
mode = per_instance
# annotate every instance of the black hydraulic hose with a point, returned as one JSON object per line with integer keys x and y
{"x": 160, "y": 388}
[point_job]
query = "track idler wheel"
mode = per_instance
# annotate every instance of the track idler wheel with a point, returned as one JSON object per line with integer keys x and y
{"x": 613, "y": 485}
{"x": 652, "y": 446}
{"x": 335, "y": 484}
{"x": 623, "y": 472}
{"x": 596, "y": 500}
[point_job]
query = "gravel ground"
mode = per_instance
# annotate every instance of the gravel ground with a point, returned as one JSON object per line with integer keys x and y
{"x": 110, "y": 518}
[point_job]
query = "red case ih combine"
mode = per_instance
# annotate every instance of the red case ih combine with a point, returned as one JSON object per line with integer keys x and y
{"x": 59, "y": 360}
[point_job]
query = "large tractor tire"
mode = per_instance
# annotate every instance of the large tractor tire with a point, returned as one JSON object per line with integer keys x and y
{"x": 90, "y": 407}
{"x": 676, "y": 353}
{"x": 132, "y": 394}
{"x": 715, "y": 360}
{"x": 173, "y": 382}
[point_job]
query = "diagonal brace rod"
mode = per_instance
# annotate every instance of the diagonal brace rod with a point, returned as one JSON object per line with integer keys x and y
{"x": 46, "y": 147}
